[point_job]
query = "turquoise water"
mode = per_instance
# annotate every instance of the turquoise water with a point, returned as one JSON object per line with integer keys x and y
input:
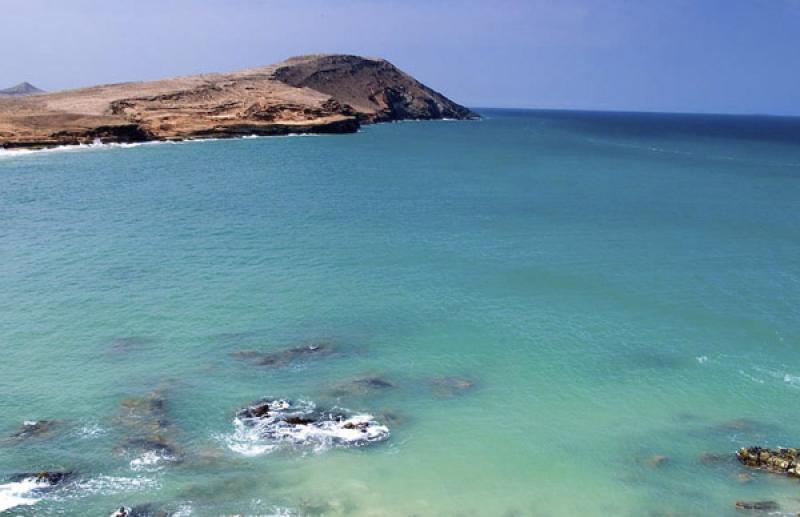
{"x": 605, "y": 288}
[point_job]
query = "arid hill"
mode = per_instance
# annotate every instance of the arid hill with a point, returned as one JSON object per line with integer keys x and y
{"x": 307, "y": 94}
{"x": 24, "y": 88}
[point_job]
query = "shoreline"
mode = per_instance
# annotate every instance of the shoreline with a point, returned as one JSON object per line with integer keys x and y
{"x": 100, "y": 144}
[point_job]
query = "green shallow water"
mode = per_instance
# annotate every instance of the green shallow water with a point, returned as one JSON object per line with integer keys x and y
{"x": 616, "y": 286}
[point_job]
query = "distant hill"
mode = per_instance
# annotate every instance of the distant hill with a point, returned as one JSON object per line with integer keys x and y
{"x": 24, "y": 88}
{"x": 308, "y": 94}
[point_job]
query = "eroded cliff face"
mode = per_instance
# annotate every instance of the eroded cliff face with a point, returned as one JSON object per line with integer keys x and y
{"x": 375, "y": 88}
{"x": 307, "y": 94}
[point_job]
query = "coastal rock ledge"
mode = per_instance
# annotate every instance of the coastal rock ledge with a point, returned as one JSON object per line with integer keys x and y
{"x": 780, "y": 461}
{"x": 306, "y": 94}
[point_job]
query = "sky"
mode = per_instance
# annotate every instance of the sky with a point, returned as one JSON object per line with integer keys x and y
{"x": 710, "y": 56}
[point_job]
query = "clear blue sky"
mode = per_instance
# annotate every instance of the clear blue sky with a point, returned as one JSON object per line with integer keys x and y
{"x": 730, "y": 56}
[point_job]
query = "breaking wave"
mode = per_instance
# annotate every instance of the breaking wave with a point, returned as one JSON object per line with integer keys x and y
{"x": 20, "y": 493}
{"x": 272, "y": 423}
{"x": 97, "y": 145}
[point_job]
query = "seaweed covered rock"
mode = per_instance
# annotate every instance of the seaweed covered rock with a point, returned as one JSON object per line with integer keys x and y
{"x": 780, "y": 461}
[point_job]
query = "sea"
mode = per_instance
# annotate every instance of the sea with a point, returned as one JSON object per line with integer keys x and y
{"x": 538, "y": 313}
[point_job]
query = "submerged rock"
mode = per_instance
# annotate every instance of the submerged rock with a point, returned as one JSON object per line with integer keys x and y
{"x": 363, "y": 385}
{"x": 711, "y": 458}
{"x": 284, "y": 421}
{"x": 757, "y": 505}
{"x": 286, "y": 356}
{"x": 780, "y": 461}
{"x": 148, "y": 430}
{"x": 127, "y": 344}
{"x": 657, "y": 460}
{"x": 392, "y": 418}
{"x": 449, "y": 386}
{"x": 34, "y": 429}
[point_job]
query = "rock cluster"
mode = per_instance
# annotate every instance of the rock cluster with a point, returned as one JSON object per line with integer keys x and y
{"x": 780, "y": 461}
{"x": 280, "y": 420}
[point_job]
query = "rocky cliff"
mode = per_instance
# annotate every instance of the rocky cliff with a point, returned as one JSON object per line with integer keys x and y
{"x": 307, "y": 94}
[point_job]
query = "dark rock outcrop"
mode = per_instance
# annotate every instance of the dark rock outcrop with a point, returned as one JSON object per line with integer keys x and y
{"x": 47, "y": 477}
{"x": 375, "y": 89}
{"x": 780, "y": 461}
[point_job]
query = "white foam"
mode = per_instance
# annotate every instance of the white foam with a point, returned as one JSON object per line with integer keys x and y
{"x": 150, "y": 461}
{"x": 750, "y": 377}
{"x": 703, "y": 359}
{"x": 97, "y": 145}
{"x": 253, "y": 436}
{"x": 19, "y": 493}
{"x": 109, "y": 485}
{"x": 91, "y": 431}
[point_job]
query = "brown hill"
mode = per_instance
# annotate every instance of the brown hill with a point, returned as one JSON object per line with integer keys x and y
{"x": 307, "y": 94}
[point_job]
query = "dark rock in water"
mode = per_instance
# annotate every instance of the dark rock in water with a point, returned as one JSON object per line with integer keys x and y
{"x": 286, "y": 356}
{"x": 711, "y": 458}
{"x": 34, "y": 429}
{"x": 780, "y": 461}
{"x": 299, "y": 420}
{"x": 302, "y": 423}
{"x": 449, "y": 386}
{"x": 657, "y": 460}
{"x": 122, "y": 345}
{"x": 360, "y": 386}
{"x": 739, "y": 424}
{"x": 149, "y": 510}
{"x": 146, "y": 510}
{"x": 147, "y": 426}
{"x": 154, "y": 443}
{"x": 392, "y": 418}
{"x": 50, "y": 477}
{"x": 258, "y": 410}
{"x": 757, "y": 505}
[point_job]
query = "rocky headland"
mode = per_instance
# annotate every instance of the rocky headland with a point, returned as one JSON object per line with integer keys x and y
{"x": 306, "y": 94}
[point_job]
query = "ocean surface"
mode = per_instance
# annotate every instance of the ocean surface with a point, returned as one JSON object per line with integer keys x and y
{"x": 551, "y": 313}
